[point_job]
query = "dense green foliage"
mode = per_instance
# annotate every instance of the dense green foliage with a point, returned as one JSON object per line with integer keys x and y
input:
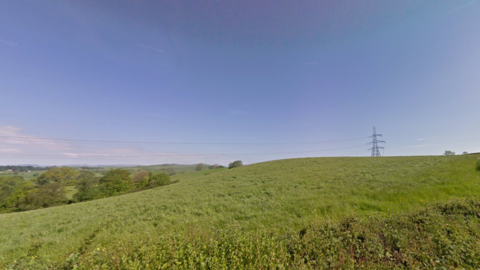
{"x": 8, "y": 185}
{"x": 236, "y": 163}
{"x": 215, "y": 166}
{"x": 60, "y": 175}
{"x": 116, "y": 182}
{"x": 87, "y": 187}
{"x": 49, "y": 189}
{"x": 255, "y": 215}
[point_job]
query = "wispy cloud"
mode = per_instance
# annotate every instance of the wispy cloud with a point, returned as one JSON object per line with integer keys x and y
{"x": 14, "y": 139}
{"x": 16, "y": 147}
{"x": 458, "y": 8}
{"x": 8, "y": 42}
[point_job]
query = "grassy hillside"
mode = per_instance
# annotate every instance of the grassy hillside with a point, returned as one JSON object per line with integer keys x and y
{"x": 275, "y": 197}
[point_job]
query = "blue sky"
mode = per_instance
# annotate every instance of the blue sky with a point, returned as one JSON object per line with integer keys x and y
{"x": 259, "y": 80}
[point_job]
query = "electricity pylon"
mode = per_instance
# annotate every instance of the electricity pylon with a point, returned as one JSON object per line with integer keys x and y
{"x": 375, "y": 148}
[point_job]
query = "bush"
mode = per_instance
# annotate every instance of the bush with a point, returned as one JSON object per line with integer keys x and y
{"x": 478, "y": 165}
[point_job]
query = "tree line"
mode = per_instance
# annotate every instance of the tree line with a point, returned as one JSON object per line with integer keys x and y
{"x": 236, "y": 163}
{"x": 14, "y": 168}
{"x": 50, "y": 188}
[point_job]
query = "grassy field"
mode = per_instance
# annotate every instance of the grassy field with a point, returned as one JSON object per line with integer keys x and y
{"x": 25, "y": 175}
{"x": 273, "y": 198}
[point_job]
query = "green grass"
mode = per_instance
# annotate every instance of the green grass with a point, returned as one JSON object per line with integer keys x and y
{"x": 70, "y": 191}
{"x": 195, "y": 174}
{"x": 443, "y": 236}
{"x": 274, "y": 197}
{"x": 25, "y": 175}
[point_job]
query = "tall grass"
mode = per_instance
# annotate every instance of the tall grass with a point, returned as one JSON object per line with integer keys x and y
{"x": 270, "y": 199}
{"x": 445, "y": 235}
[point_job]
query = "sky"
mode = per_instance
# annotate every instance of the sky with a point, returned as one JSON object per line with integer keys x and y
{"x": 213, "y": 81}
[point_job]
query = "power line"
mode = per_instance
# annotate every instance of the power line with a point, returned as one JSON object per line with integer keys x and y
{"x": 375, "y": 148}
{"x": 171, "y": 155}
{"x": 32, "y": 140}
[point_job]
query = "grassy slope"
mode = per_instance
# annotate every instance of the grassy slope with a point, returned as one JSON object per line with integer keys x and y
{"x": 271, "y": 194}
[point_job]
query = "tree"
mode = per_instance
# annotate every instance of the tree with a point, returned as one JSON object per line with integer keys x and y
{"x": 160, "y": 179}
{"x": 465, "y": 153}
{"x": 87, "y": 186}
{"x": 139, "y": 176}
{"x": 62, "y": 175}
{"x": 8, "y": 185}
{"x": 115, "y": 182}
{"x": 12, "y": 203}
{"x": 449, "y": 153}
{"x": 46, "y": 196}
{"x": 236, "y": 163}
{"x": 200, "y": 167}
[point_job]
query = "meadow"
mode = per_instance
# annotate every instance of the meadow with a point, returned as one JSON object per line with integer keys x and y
{"x": 265, "y": 212}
